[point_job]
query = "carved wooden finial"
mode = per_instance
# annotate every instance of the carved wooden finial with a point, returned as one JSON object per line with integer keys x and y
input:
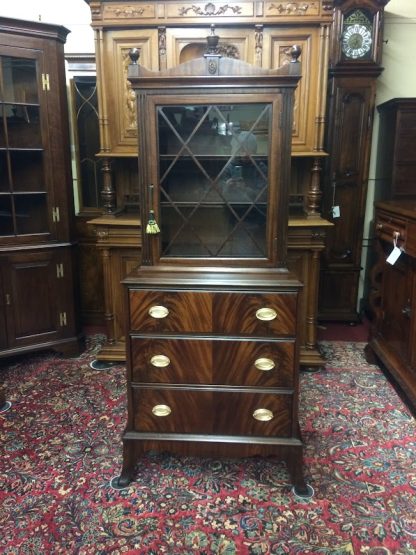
{"x": 295, "y": 52}
{"x": 134, "y": 54}
{"x": 212, "y": 41}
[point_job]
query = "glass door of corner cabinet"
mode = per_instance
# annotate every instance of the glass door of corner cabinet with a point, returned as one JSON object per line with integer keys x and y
{"x": 23, "y": 189}
{"x": 215, "y": 178}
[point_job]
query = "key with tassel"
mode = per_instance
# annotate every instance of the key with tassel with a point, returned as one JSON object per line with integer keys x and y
{"x": 151, "y": 228}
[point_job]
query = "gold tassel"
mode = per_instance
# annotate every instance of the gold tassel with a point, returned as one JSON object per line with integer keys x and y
{"x": 152, "y": 228}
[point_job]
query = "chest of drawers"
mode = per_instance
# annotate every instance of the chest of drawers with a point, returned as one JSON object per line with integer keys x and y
{"x": 213, "y": 367}
{"x": 393, "y": 295}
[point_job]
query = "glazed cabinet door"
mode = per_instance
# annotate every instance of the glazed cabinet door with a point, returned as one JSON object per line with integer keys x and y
{"x": 116, "y": 98}
{"x": 26, "y": 158}
{"x": 35, "y": 293}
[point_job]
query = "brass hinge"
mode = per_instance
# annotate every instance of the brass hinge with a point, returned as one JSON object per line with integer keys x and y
{"x": 45, "y": 82}
{"x": 62, "y": 318}
{"x": 60, "y": 270}
{"x": 55, "y": 214}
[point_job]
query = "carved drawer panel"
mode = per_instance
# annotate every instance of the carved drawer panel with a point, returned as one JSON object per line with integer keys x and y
{"x": 219, "y": 362}
{"x": 212, "y": 412}
{"x": 258, "y": 314}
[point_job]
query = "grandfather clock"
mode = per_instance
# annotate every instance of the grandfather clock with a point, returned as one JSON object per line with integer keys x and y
{"x": 353, "y": 71}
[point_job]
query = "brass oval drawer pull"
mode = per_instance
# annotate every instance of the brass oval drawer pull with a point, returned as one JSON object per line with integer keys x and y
{"x": 160, "y": 361}
{"x": 266, "y": 314}
{"x": 158, "y": 311}
{"x": 264, "y": 364}
{"x": 161, "y": 410}
{"x": 264, "y": 415}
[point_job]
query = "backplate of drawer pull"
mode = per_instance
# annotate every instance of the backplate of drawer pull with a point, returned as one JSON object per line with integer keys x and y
{"x": 160, "y": 361}
{"x": 266, "y": 314}
{"x": 161, "y": 410}
{"x": 264, "y": 364}
{"x": 158, "y": 311}
{"x": 263, "y": 415}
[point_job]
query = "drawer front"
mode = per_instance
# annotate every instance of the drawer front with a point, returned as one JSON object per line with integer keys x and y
{"x": 212, "y": 412}
{"x": 183, "y": 311}
{"x": 390, "y": 229}
{"x": 206, "y": 361}
{"x": 254, "y": 314}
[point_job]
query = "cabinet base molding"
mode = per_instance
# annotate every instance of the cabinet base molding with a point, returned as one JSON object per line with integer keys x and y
{"x": 288, "y": 450}
{"x": 65, "y": 347}
{"x": 377, "y": 352}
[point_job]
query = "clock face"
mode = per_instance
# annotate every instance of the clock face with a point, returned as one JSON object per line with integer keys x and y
{"x": 356, "y": 41}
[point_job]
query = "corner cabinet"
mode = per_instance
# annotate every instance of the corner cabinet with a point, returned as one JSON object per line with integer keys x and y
{"x": 37, "y": 285}
{"x": 213, "y": 310}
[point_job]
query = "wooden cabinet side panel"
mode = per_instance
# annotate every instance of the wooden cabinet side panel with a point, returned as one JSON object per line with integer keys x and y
{"x": 119, "y": 106}
{"x": 276, "y": 52}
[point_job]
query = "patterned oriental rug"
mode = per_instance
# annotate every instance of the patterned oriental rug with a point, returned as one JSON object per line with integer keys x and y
{"x": 61, "y": 447}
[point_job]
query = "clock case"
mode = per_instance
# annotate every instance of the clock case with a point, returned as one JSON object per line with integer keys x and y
{"x": 342, "y": 14}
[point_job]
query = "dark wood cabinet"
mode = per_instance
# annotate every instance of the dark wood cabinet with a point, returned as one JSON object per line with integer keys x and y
{"x": 353, "y": 70}
{"x": 37, "y": 275}
{"x": 212, "y": 349}
{"x": 396, "y": 162}
{"x": 352, "y": 102}
{"x": 393, "y": 295}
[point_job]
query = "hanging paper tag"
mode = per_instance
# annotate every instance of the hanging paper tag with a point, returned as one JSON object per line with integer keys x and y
{"x": 336, "y": 212}
{"x": 394, "y": 255}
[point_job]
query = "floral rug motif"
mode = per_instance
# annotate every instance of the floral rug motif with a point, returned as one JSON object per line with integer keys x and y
{"x": 61, "y": 446}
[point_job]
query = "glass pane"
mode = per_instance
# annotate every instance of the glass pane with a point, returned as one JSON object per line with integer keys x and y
{"x": 3, "y": 143}
{"x": 19, "y": 80}
{"x": 31, "y": 213}
{"x": 23, "y": 126}
{"x": 213, "y": 176}
{"x": 27, "y": 170}
{"x": 84, "y": 90}
{"x": 4, "y": 173}
{"x": 6, "y": 215}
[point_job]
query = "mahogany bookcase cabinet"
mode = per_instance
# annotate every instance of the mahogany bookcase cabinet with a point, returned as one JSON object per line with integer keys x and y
{"x": 212, "y": 350}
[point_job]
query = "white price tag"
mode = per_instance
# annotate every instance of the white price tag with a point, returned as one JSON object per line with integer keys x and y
{"x": 336, "y": 213}
{"x": 394, "y": 255}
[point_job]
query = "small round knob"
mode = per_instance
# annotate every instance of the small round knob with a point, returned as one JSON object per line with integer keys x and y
{"x": 158, "y": 311}
{"x": 264, "y": 364}
{"x": 266, "y": 314}
{"x": 161, "y": 410}
{"x": 263, "y": 415}
{"x": 160, "y": 361}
